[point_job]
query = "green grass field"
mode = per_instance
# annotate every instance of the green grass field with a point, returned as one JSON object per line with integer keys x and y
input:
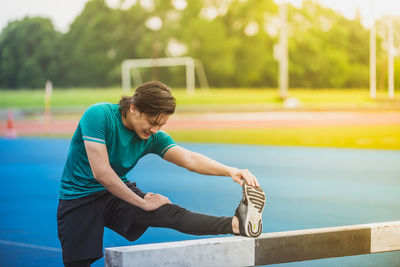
{"x": 209, "y": 100}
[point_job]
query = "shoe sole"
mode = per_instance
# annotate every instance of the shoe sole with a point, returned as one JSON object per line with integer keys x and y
{"x": 255, "y": 197}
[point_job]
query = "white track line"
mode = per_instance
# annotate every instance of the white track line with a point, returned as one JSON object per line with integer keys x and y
{"x": 26, "y": 245}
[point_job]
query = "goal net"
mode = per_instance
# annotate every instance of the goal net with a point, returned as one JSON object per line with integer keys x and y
{"x": 131, "y": 70}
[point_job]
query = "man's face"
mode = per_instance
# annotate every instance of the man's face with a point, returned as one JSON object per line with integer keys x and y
{"x": 144, "y": 125}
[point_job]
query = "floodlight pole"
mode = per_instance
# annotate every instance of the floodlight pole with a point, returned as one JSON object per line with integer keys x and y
{"x": 372, "y": 61}
{"x": 283, "y": 51}
{"x": 390, "y": 56}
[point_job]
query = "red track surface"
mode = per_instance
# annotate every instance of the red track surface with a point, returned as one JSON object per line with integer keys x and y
{"x": 32, "y": 127}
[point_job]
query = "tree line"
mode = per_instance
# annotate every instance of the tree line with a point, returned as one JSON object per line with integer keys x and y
{"x": 233, "y": 39}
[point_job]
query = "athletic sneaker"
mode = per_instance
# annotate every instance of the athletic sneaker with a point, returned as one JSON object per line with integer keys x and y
{"x": 249, "y": 211}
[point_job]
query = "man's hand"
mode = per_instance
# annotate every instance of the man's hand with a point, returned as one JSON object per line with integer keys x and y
{"x": 154, "y": 201}
{"x": 239, "y": 175}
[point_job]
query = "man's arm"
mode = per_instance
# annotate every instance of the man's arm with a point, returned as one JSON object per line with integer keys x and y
{"x": 199, "y": 163}
{"x": 104, "y": 174}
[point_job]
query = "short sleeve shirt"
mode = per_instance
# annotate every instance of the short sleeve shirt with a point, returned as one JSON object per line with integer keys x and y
{"x": 102, "y": 123}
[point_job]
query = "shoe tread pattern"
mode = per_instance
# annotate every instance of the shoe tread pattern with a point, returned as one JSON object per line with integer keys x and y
{"x": 256, "y": 196}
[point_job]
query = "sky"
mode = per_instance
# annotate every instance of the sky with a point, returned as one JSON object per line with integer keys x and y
{"x": 63, "y": 12}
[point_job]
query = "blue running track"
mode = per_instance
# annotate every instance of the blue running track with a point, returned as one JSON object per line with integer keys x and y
{"x": 305, "y": 187}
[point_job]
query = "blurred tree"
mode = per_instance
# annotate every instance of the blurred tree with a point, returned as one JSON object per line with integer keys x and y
{"x": 247, "y": 21}
{"x": 326, "y": 49}
{"x": 88, "y": 48}
{"x": 28, "y": 52}
{"x": 204, "y": 35}
{"x": 101, "y": 37}
{"x": 229, "y": 38}
{"x": 234, "y": 40}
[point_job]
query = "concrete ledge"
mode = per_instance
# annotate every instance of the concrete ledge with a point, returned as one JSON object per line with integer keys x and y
{"x": 224, "y": 251}
{"x": 268, "y": 248}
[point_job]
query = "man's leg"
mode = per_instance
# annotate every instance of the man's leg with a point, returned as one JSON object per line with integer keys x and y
{"x": 80, "y": 230}
{"x": 130, "y": 221}
{"x": 178, "y": 218}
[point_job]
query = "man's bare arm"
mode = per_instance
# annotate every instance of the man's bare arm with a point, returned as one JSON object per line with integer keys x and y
{"x": 199, "y": 163}
{"x": 104, "y": 174}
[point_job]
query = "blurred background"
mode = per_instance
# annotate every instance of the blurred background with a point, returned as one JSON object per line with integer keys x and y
{"x": 230, "y": 56}
{"x": 306, "y": 91}
{"x": 328, "y": 48}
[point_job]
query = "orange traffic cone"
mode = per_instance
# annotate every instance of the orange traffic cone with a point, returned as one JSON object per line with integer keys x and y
{"x": 10, "y": 131}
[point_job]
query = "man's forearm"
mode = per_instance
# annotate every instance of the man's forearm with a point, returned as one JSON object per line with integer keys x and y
{"x": 204, "y": 165}
{"x": 111, "y": 181}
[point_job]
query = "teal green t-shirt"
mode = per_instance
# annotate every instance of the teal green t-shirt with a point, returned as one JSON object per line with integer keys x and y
{"x": 102, "y": 123}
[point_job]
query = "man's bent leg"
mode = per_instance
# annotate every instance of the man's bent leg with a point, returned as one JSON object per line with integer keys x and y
{"x": 80, "y": 229}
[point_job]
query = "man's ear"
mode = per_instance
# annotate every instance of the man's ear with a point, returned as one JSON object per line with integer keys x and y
{"x": 132, "y": 108}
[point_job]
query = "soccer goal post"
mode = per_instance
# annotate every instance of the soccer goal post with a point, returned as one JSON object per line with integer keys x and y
{"x": 130, "y": 69}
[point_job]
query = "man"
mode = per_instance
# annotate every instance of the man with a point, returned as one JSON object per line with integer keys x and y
{"x": 95, "y": 191}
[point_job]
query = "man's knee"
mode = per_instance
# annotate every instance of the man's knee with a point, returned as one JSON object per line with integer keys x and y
{"x": 171, "y": 211}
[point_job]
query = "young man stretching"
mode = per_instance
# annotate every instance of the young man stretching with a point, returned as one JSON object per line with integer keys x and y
{"x": 95, "y": 192}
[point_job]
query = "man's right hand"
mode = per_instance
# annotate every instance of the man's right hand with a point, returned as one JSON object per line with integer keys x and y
{"x": 154, "y": 201}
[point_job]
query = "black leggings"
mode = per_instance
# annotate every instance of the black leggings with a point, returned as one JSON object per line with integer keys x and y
{"x": 81, "y": 223}
{"x": 178, "y": 218}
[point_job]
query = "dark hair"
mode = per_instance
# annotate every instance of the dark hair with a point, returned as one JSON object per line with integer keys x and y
{"x": 151, "y": 98}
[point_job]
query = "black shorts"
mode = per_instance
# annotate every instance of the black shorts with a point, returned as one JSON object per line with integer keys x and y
{"x": 81, "y": 222}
